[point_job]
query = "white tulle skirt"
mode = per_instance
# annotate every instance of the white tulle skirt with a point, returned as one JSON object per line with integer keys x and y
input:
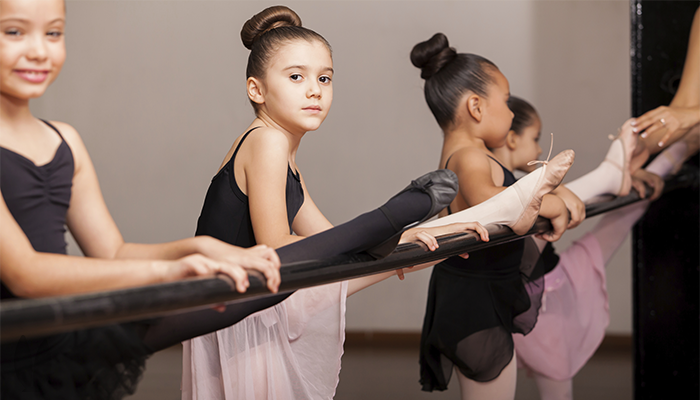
{"x": 287, "y": 352}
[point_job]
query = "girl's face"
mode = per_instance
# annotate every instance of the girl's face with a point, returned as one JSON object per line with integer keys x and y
{"x": 297, "y": 89}
{"x": 527, "y": 146}
{"x": 496, "y": 114}
{"x": 32, "y": 50}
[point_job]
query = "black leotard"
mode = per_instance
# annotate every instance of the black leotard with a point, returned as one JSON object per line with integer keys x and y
{"x": 474, "y": 306}
{"x": 106, "y": 362}
{"x": 71, "y": 365}
{"x": 225, "y": 214}
{"x": 38, "y": 197}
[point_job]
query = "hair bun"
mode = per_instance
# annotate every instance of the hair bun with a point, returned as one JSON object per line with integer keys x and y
{"x": 266, "y": 20}
{"x": 430, "y": 56}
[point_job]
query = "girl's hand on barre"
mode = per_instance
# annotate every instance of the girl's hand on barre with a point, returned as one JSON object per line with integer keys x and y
{"x": 554, "y": 209}
{"x": 641, "y": 177}
{"x": 427, "y": 236}
{"x": 260, "y": 258}
{"x": 577, "y": 210}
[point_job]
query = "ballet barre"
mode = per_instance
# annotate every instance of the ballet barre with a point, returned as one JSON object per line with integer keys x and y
{"x": 35, "y": 317}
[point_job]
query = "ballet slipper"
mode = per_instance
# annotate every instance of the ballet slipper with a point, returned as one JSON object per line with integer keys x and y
{"x": 628, "y": 139}
{"x": 532, "y": 188}
{"x": 519, "y": 204}
{"x": 440, "y": 185}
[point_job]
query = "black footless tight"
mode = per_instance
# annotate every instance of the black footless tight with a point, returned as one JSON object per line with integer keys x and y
{"x": 357, "y": 235}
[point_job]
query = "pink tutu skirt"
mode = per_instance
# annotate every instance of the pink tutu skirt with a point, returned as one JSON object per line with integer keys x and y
{"x": 573, "y": 317}
{"x": 286, "y": 352}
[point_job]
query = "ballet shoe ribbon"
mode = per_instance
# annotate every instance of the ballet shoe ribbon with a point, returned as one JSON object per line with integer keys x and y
{"x": 551, "y": 145}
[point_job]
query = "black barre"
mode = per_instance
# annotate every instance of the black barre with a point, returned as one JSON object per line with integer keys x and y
{"x": 34, "y": 317}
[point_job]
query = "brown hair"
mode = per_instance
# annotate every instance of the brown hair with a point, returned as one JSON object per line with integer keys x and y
{"x": 524, "y": 114}
{"x": 448, "y": 75}
{"x": 267, "y": 31}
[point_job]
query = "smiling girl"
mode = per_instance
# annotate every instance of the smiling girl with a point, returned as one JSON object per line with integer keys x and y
{"x": 48, "y": 183}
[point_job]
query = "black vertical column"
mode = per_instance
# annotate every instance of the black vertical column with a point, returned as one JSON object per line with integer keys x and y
{"x": 666, "y": 243}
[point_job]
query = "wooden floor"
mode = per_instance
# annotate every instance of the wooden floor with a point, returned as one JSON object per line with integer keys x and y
{"x": 384, "y": 373}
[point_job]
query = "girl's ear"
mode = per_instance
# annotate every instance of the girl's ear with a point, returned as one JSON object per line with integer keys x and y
{"x": 254, "y": 88}
{"x": 512, "y": 140}
{"x": 474, "y": 107}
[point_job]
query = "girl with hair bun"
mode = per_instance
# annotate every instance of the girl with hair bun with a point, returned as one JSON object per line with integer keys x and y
{"x": 292, "y": 350}
{"x": 475, "y": 305}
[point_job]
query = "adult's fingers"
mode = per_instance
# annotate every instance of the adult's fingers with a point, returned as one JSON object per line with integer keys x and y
{"x": 646, "y": 120}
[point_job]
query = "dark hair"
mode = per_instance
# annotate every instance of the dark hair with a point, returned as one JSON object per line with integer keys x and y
{"x": 524, "y": 114}
{"x": 448, "y": 75}
{"x": 266, "y": 31}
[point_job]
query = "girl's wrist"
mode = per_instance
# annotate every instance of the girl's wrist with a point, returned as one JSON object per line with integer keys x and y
{"x": 160, "y": 272}
{"x": 197, "y": 245}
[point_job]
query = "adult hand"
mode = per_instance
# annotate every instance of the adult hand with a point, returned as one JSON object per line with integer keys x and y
{"x": 665, "y": 124}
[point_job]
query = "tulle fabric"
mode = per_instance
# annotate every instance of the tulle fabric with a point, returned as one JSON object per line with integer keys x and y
{"x": 573, "y": 317}
{"x": 287, "y": 352}
{"x": 474, "y": 307}
{"x": 94, "y": 364}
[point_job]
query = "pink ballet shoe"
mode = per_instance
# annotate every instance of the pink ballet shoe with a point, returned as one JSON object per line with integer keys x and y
{"x": 536, "y": 184}
{"x": 628, "y": 139}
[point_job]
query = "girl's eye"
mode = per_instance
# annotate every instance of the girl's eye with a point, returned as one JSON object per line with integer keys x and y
{"x": 12, "y": 32}
{"x": 55, "y": 34}
{"x": 325, "y": 79}
{"x": 295, "y": 77}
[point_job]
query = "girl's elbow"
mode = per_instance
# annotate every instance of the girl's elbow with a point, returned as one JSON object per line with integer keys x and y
{"x": 24, "y": 287}
{"x": 25, "y": 282}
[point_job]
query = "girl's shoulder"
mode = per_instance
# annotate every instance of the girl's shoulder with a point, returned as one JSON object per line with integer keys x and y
{"x": 71, "y": 136}
{"x": 75, "y": 143}
{"x": 261, "y": 144}
{"x": 264, "y": 137}
{"x": 469, "y": 157}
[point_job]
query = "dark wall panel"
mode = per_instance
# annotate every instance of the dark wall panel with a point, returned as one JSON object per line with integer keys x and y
{"x": 666, "y": 275}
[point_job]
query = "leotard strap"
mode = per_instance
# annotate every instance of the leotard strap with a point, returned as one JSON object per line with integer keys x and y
{"x": 52, "y": 127}
{"x": 242, "y": 139}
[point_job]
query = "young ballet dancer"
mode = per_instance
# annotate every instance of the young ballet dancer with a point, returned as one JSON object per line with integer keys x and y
{"x": 574, "y": 312}
{"x": 475, "y": 305}
{"x": 48, "y": 181}
{"x": 292, "y": 350}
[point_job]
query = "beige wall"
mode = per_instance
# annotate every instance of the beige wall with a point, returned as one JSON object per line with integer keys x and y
{"x": 156, "y": 88}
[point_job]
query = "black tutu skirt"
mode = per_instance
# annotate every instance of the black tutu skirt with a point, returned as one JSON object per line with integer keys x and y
{"x": 474, "y": 306}
{"x": 100, "y": 363}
